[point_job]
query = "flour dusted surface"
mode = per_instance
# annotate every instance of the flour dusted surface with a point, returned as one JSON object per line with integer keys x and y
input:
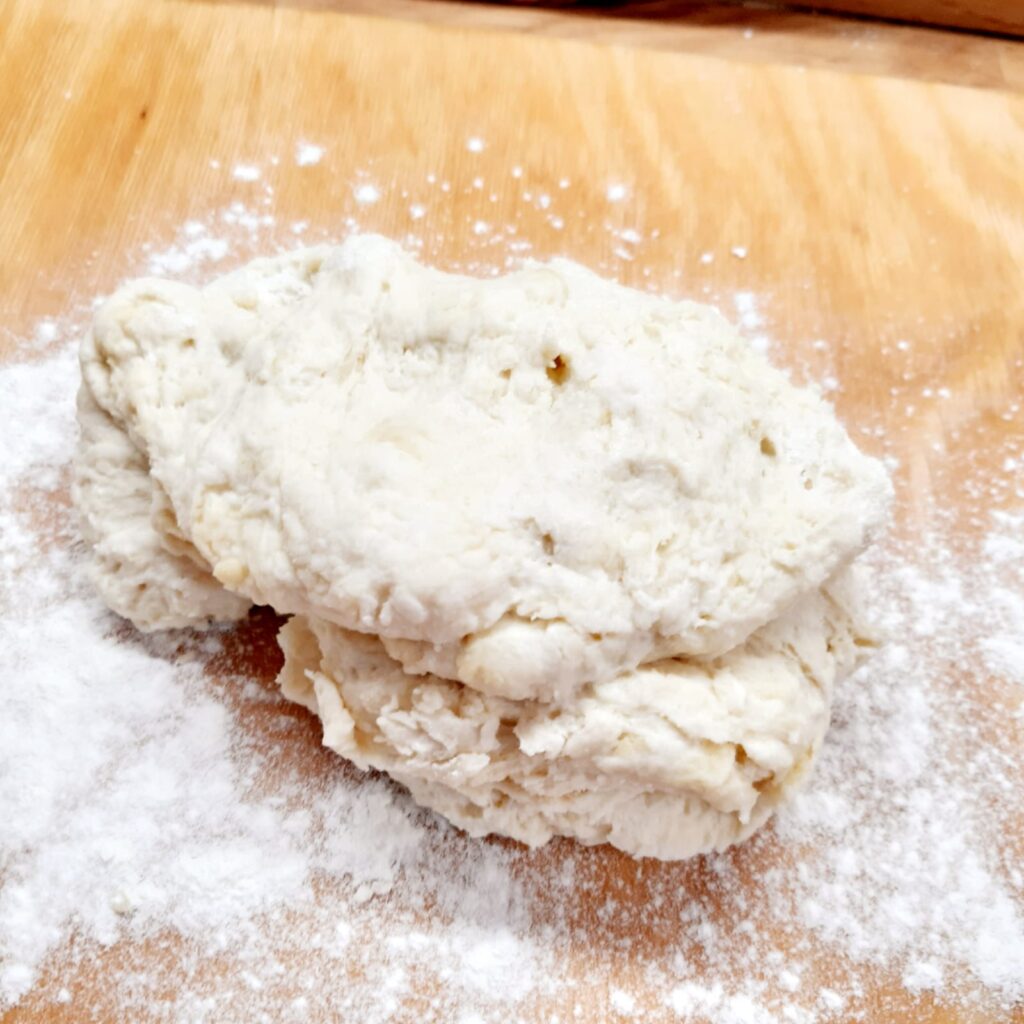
{"x": 906, "y": 868}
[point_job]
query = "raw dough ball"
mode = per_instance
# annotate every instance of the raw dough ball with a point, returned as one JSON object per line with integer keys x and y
{"x": 527, "y": 484}
{"x": 563, "y": 558}
{"x": 671, "y": 759}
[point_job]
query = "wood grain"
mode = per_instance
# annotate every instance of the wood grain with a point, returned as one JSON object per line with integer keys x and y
{"x": 979, "y": 15}
{"x": 755, "y": 34}
{"x": 873, "y": 211}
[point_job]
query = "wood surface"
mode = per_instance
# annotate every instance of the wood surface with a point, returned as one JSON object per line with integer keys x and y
{"x": 979, "y": 15}
{"x": 757, "y": 33}
{"x": 982, "y": 15}
{"x": 871, "y": 209}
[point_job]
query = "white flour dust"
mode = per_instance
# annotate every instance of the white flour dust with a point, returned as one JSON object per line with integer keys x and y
{"x": 149, "y": 801}
{"x": 308, "y": 153}
{"x": 246, "y": 172}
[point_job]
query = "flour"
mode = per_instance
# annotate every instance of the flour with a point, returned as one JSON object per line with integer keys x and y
{"x": 37, "y": 393}
{"x": 622, "y": 1002}
{"x": 246, "y": 172}
{"x": 308, "y": 153}
{"x": 1004, "y": 653}
{"x": 196, "y": 246}
{"x": 149, "y": 797}
{"x": 746, "y": 309}
{"x": 367, "y": 194}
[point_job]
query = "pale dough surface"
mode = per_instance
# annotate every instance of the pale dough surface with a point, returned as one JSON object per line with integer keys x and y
{"x": 526, "y": 484}
{"x": 561, "y": 557}
{"x": 144, "y": 571}
{"x": 668, "y": 760}
{"x": 144, "y": 565}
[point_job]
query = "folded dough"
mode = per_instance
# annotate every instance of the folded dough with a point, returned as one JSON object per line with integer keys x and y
{"x": 562, "y": 557}
{"x": 669, "y": 760}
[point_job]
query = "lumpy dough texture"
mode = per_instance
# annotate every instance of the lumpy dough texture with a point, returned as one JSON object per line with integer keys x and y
{"x": 525, "y": 484}
{"x": 142, "y": 567}
{"x": 667, "y": 760}
{"x": 561, "y": 557}
{"x": 145, "y": 566}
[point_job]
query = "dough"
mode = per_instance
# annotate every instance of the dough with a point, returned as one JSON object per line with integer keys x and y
{"x": 668, "y": 760}
{"x": 144, "y": 566}
{"x": 150, "y": 575}
{"x": 561, "y": 557}
{"x": 526, "y": 484}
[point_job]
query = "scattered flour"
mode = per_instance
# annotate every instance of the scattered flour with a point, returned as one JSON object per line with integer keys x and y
{"x": 367, "y": 193}
{"x": 1002, "y": 632}
{"x": 1004, "y": 653}
{"x": 246, "y": 172}
{"x": 197, "y": 245}
{"x": 746, "y": 308}
{"x": 308, "y": 153}
{"x": 622, "y": 1002}
{"x": 46, "y": 332}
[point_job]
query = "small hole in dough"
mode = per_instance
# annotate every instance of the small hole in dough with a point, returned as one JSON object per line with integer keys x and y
{"x": 558, "y": 371}
{"x": 767, "y": 448}
{"x": 741, "y": 754}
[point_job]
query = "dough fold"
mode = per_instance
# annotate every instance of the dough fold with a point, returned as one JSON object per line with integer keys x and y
{"x": 671, "y": 759}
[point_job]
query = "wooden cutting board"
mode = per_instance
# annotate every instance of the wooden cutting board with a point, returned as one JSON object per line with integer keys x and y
{"x": 864, "y": 210}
